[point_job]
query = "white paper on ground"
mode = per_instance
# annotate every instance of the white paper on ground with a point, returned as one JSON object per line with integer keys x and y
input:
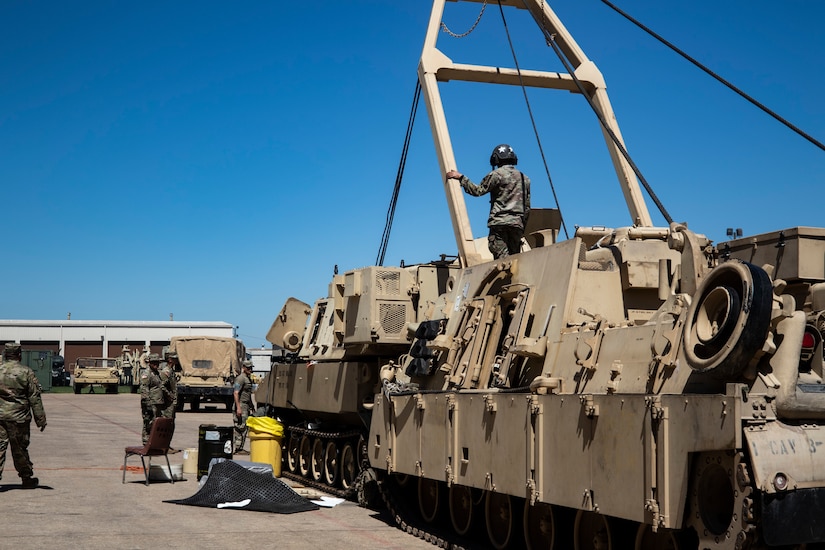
{"x": 239, "y": 504}
{"x": 328, "y": 502}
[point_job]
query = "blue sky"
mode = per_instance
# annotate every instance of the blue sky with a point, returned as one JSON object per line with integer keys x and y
{"x": 210, "y": 159}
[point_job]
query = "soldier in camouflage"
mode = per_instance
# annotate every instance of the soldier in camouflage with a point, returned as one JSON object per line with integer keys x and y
{"x": 151, "y": 393}
{"x": 19, "y": 400}
{"x": 169, "y": 381}
{"x": 509, "y": 200}
{"x": 242, "y": 392}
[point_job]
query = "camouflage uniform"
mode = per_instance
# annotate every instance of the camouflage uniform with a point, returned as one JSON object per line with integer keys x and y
{"x": 169, "y": 385}
{"x": 243, "y": 397}
{"x": 509, "y": 192}
{"x": 151, "y": 394}
{"x": 19, "y": 400}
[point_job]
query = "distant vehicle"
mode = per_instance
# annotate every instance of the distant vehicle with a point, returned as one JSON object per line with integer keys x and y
{"x": 60, "y": 377}
{"x": 96, "y": 371}
{"x": 208, "y": 367}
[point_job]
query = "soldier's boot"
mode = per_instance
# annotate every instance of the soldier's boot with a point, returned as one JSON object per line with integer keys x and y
{"x": 30, "y": 482}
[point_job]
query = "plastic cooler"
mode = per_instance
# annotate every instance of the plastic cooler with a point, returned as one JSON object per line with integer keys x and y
{"x": 213, "y": 442}
{"x": 265, "y": 435}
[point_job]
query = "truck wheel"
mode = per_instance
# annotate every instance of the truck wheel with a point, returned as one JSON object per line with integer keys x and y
{"x": 179, "y": 405}
{"x": 195, "y": 404}
{"x": 77, "y": 389}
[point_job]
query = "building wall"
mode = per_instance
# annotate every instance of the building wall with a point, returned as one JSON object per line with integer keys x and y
{"x": 75, "y": 338}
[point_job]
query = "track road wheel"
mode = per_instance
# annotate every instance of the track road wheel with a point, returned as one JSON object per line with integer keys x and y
{"x": 195, "y": 404}
{"x": 349, "y": 467}
{"x": 293, "y": 452}
{"x": 331, "y": 464}
{"x": 305, "y": 456}
{"x": 429, "y": 497}
{"x": 461, "y": 508}
{"x": 593, "y": 531}
{"x": 501, "y": 515}
{"x": 317, "y": 464}
{"x": 539, "y": 526}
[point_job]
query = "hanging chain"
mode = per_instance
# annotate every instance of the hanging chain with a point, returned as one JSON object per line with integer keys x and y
{"x": 454, "y": 35}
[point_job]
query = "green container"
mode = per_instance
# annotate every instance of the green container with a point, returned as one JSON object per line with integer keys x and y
{"x": 41, "y": 363}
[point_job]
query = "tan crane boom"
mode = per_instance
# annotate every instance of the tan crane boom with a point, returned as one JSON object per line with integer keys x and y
{"x": 436, "y": 67}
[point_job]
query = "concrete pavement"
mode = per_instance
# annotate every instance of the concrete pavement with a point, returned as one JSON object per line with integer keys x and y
{"x": 81, "y": 502}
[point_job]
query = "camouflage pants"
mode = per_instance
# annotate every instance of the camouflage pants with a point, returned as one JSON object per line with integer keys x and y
{"x": 504, "y": 240}
{"x": 240, "y": 428}
{"x": 149, "y": 412}
{"x": 168, "y": 410}
{"x": 18, "y": 435}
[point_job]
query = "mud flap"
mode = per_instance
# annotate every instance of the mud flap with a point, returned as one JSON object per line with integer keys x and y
{"x": 794, "y": 517}
{"x": 789, "y": 470}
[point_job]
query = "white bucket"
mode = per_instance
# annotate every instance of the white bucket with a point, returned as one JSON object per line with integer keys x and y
{"x": 190, "y": 461}
{"x": 159, "y": 472}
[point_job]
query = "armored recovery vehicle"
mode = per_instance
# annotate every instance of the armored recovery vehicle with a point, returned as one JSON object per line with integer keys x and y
{"x": 208, "y": 367}
{"x": 630, "y": 387}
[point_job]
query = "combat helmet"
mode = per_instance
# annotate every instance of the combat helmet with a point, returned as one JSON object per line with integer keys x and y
{"x": 12, "y": 350}
{"x": 503, "y": 154}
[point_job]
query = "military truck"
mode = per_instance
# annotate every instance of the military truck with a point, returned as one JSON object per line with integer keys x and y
{"x": 96, "y": 371}
{"x": 208, "y": 367}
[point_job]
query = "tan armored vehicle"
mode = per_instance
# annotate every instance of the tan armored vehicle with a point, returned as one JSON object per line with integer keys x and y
{"x": 324, "y": 394}
{"x": 630, "y": 387}
{"x": 208, "y": 366}
{"x": 96, "y": 371}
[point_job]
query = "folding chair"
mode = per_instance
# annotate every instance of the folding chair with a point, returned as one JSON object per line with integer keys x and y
{"x": 160, "y": 437}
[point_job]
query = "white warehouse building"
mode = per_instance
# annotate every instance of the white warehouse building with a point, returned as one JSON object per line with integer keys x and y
{"x": 75, "y": 338}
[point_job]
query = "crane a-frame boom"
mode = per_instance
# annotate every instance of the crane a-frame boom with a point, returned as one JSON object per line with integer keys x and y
{"x": 436, "y": 67}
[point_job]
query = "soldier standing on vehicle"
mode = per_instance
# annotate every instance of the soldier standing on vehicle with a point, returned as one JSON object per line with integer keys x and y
{"x": 243, "y": 405}
{"x": 169, "y": 381}
{"x": 151, "y": 393}
{"x": 509, "y": 200}
{"x": 19, "y": 400}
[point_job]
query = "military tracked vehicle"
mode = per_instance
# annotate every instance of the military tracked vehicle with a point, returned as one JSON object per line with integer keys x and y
{"x": 629, "y": 387}
{"x": 324, "y": 387}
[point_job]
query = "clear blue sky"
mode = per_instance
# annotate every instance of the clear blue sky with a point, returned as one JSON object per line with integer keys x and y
{"x": 210, "y": 159}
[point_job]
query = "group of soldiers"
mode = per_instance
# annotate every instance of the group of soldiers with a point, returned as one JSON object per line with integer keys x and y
{"x": 20, "y": 401}
{"x": 158, "y": 390}
{"x": 159, "y": 395}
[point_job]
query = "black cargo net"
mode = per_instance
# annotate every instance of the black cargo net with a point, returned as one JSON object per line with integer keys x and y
{"x": 230, "y": 485}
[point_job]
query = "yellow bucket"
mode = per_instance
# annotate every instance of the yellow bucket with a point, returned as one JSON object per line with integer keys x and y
{"x": 265, "y": 436}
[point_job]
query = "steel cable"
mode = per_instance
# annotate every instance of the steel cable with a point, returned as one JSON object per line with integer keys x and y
{"x": 717, "y": 77}
{"x": 385, "y": 238}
